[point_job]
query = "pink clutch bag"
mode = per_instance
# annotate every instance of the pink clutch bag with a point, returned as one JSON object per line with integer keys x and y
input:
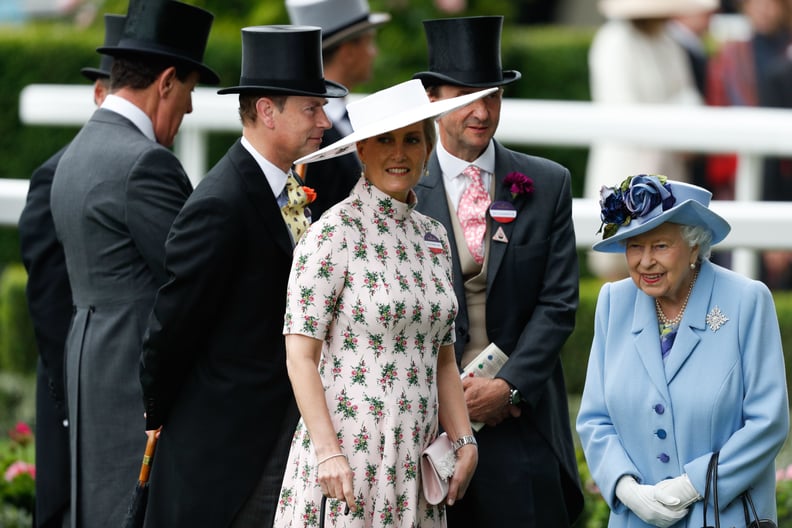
{"x": 437, "y": 467}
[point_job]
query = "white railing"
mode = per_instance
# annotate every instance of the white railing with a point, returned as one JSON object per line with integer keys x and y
{"x": 750, "y": 132}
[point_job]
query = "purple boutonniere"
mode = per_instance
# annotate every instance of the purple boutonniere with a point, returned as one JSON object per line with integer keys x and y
{"x": 518, "y": 184}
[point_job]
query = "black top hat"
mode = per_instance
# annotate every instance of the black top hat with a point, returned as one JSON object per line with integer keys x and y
{"x": 465, "y": 52}
{"x": 168, "y": 29}
{"x": 114, "y": 27}
{"x": 283, "y": 60}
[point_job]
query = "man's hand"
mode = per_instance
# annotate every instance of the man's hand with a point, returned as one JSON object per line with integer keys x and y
{"x": 488, "y": 400}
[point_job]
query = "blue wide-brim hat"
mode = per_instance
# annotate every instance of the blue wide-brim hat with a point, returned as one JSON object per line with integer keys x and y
{"x": 658, "y": 201}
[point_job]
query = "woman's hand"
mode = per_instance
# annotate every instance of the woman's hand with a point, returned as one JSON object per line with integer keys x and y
{"x": 335, "y": 479}
{"x": 467, "y": 459}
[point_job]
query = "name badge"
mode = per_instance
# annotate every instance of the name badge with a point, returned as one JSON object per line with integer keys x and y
{"x": 433, "y": 243}
{"x": 503, "y": 212}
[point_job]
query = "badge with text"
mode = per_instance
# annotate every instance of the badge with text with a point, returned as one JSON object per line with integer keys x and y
{"x": 433, "y": 243}
{"x": 503, "y": 212}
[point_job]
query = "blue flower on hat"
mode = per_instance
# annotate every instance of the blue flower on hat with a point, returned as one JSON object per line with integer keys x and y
{"x": 635, "y": 197}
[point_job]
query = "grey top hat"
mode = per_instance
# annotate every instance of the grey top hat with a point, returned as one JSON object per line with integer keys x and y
{"x": 167, "y": 29}
{"x": 339, "y": 19}
{"x": 114, "y": 27}
{"x": 283, "y": 60}
{"x": 465, "y": 52}
{"x": 642, "y": 202}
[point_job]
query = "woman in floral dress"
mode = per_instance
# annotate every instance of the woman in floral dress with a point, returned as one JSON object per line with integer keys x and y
{"x": 369, "y": 334}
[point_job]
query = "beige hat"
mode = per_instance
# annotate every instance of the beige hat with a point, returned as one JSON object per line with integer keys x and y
{"x": 654, "y": 8}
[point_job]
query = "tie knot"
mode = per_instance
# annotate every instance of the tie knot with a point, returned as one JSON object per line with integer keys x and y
{"x": 295, "y": 193}
{"x": 472, "y": 172}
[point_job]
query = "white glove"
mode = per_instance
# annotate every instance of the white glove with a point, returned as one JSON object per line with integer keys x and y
{"x": 676, "y": 493}
{"x": 640, "y": 499}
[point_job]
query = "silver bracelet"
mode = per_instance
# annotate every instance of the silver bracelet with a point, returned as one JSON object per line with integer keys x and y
{"x": 463, "y": 441}
{"x": 325, "y": 459}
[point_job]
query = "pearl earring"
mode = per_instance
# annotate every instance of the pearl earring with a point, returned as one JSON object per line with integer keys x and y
{"x": 692, "y": 265}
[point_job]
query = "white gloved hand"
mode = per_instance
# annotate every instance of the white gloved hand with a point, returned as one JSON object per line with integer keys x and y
{"x": 676, "y": 493}
{"x": 640, "y": 499}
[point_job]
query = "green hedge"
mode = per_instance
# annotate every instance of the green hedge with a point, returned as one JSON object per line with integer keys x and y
{"x": 17, "y": 341}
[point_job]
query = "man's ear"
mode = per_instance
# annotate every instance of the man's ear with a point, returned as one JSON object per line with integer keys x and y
{"x": 166, "y": 81}
{"x": 265, "y": 109}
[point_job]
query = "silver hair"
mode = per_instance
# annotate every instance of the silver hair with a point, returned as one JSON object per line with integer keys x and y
{"x": 700, "y": 236}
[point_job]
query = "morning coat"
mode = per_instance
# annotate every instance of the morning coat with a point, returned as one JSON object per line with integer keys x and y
{"x": 532, "y": 295}
{"x": 50, "y": 306}
{"x": 114, "y": 196}
{"x": 213, "y": 368}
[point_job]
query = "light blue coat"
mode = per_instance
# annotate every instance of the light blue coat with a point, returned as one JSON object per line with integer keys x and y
{"x": 721, "y": 389}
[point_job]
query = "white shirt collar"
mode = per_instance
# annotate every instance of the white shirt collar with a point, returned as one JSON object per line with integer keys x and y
{"x": 275, "y": 176}
{"x": 128, "y": 109}
{"x": 451, "y": 167}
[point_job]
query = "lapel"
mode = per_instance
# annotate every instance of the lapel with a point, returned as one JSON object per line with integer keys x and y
{"x": 693, "y": 322}
{"x": 504, "y": 164}
{"x": 260, "y": 195}
{"x": 646, "y": 337}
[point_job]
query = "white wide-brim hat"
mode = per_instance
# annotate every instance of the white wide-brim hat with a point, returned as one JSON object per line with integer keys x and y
{"x": 654, "y": 8}
{"x": 690, "y": 206}
{"x": 390, "y": 109}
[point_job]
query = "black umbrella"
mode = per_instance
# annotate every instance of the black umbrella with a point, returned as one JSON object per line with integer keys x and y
{"x": 137, "y": 507}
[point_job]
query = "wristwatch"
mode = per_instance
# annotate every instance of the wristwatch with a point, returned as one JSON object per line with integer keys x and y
{"x": 463, "y": 441}
{"x": 514, "y": 397}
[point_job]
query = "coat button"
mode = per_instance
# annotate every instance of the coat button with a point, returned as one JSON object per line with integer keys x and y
{"x": 664, "y": 458}
{"x": 661, "y": 434}
{"x": 659, "y": 409}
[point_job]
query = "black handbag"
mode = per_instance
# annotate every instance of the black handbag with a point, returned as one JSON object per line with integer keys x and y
{"x": 747, "y": 501}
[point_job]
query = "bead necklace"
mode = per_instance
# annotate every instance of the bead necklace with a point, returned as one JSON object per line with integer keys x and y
{"x": 675, "y": 321}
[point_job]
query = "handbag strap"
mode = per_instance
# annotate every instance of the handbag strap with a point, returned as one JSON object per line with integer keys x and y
{"x": 322, "y": 511}
{"x": 712, "y": 485}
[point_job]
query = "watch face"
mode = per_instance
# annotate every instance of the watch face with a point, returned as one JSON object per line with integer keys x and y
{"x": 515, "y": 397}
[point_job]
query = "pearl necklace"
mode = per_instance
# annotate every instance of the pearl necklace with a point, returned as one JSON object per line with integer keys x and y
{"x": 676, "y": 320}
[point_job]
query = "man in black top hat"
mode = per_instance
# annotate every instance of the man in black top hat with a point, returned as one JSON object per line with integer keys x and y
{"x": 213, "y": 367}
{"x": 50, "y": 305}
{"x": 114, "y": 195}
{"x": 517, "y": 287}
{"x": 348, "y": 52}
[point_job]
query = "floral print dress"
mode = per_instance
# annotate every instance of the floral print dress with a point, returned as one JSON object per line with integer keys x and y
{"x": 372, "y": 278}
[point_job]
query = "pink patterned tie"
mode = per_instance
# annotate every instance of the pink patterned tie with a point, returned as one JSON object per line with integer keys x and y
{"x": 472, "y": 212}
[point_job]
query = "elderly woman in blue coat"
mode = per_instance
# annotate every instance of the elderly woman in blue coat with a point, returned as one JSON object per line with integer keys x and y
{"x": 686, "y": 361}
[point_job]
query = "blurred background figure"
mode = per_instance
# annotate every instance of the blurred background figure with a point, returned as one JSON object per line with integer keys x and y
{"x": 690, "y": 31}
{"x": 348, "y": 53}
{"x": 737, "y": 73}
{"x": 776, "y": 92}
{"x": 634, "y": 60}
